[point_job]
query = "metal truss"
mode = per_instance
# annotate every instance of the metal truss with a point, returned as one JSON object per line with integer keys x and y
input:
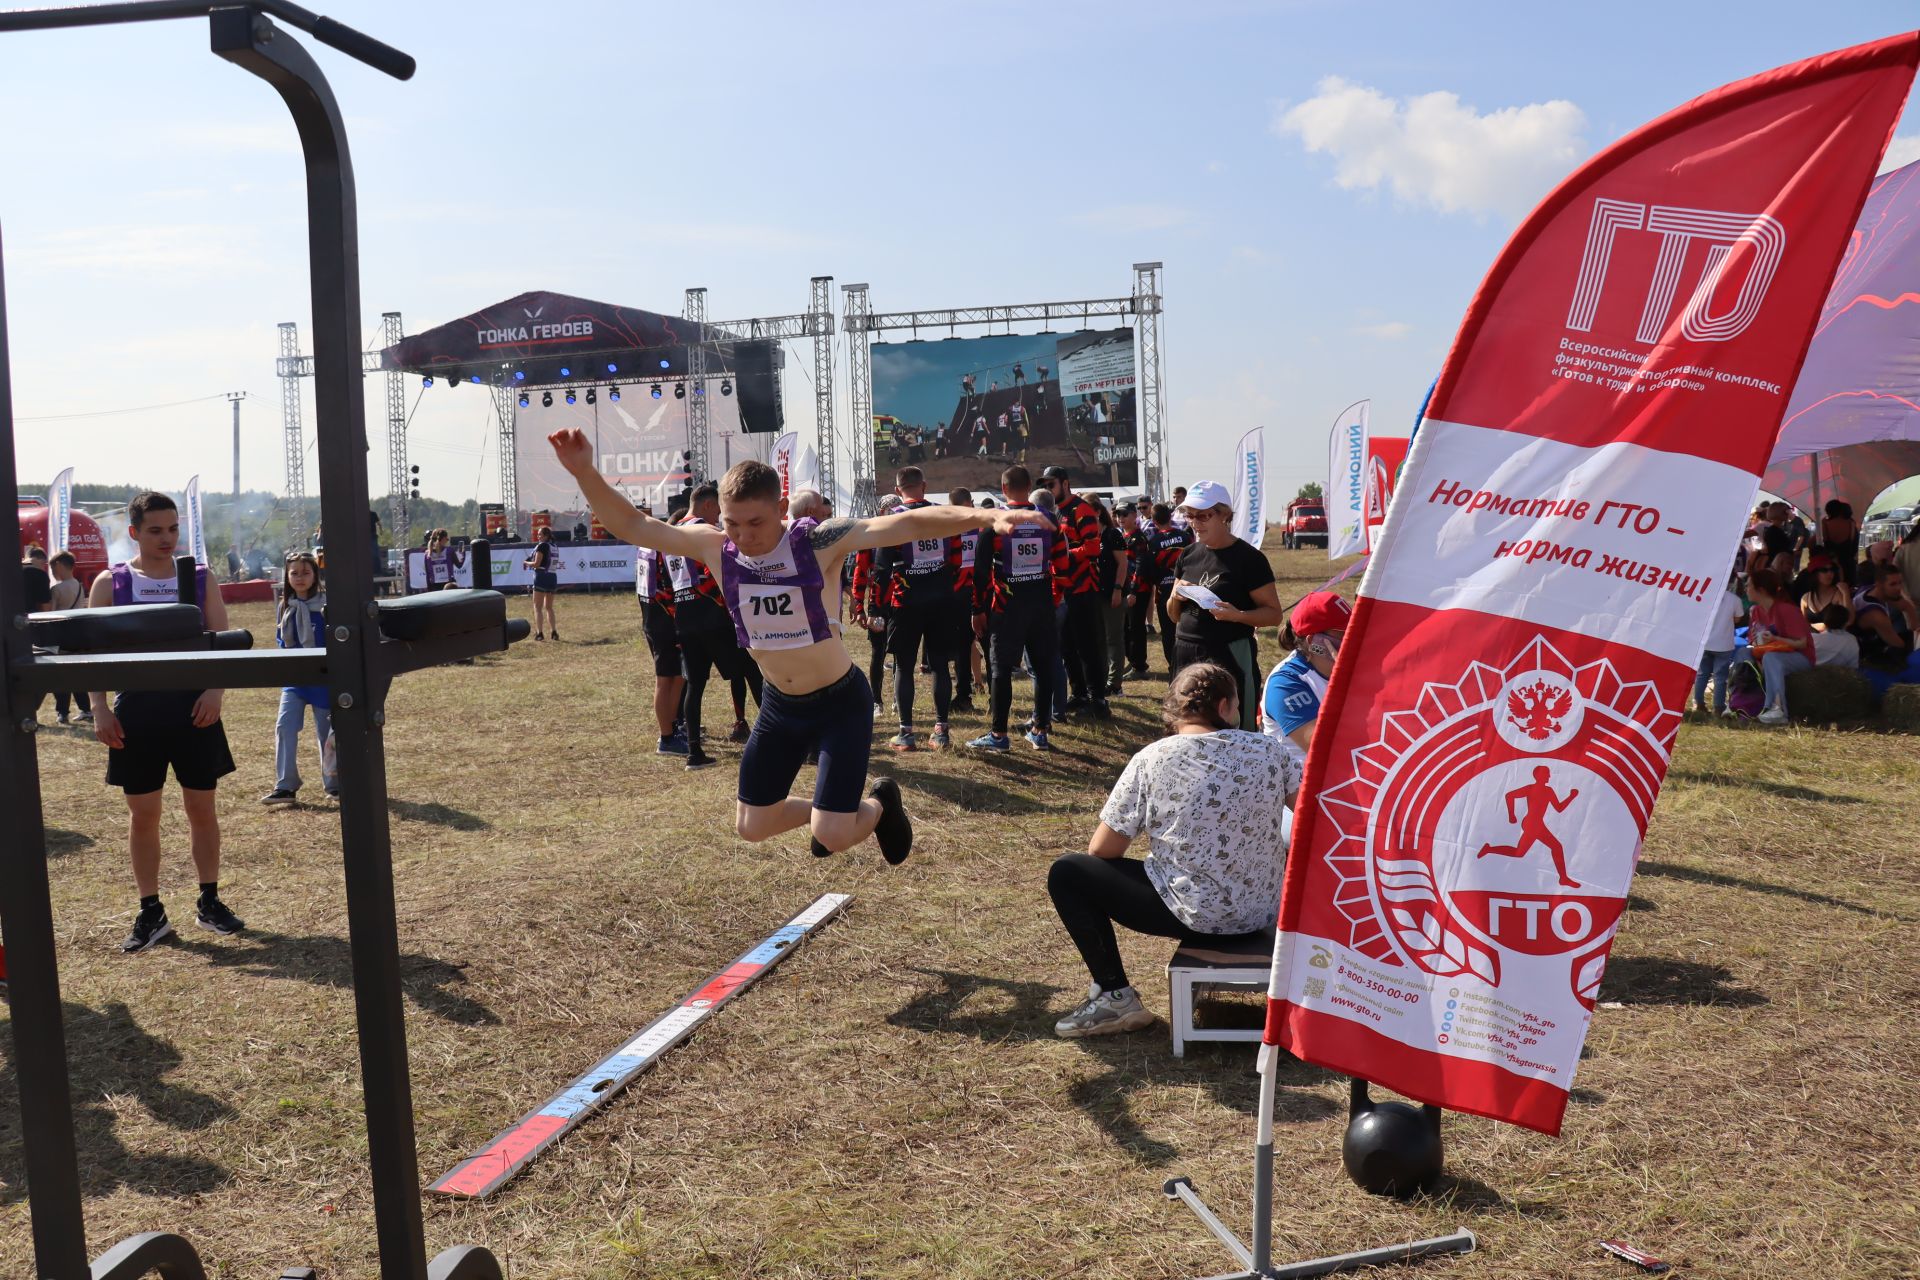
{"x": 855, "y": 315}
{"x": 1146, "y": 299}
{"x": 398, "y": 518}
{"x": 1047, "y": 312}
{"x": 699, "y": 448}
{"x": 820, "y": 312}
{"x": 295, "y": 451}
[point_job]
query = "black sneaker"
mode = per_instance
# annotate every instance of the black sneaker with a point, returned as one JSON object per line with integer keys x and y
{"x": 894, "y": 831}
{"x": 740, "y": 732}
{"x": 963, "y": 705}
{"x": 1077, "y": 702}
{"x": 820, "y": 850}
{"x": 215, "y": 915}
{"x": 1101, "y": 711}
{"x": 699, "y": 759}
{"x": 148, "y": 928}
{"x": 278, "y": 797}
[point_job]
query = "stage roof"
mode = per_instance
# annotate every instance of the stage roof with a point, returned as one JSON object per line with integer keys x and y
{"x": 539, "y": 334}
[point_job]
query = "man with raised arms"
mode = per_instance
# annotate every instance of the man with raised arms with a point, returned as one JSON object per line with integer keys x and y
{"x": 781, "y": 582}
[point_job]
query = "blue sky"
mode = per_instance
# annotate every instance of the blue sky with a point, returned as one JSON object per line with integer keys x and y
{"x": 1324, "y": 218}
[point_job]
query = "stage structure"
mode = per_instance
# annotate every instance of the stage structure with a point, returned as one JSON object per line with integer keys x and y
{"x": 290, "y": 368}
{"x": 1137, "y": 372}
{"x": 815, "y": 323}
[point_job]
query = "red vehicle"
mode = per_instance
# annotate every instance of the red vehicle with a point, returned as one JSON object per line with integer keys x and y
{"x": 1306, "y": 524}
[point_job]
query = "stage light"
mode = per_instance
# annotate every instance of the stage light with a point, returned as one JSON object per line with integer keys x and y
{"x": 613, "y": 368}
{"x": 613, "y": 394}
{"x": 679, "y": 391}
{"x": 476, "y": 378}
{"x": 519, "y": 375}
{"x": 593, "y": 396}
{"x": 427, "y": 381}
{"x": 699, "y": 389}
{"x": 726, "y": 386}
{"x": 666, "y": 364}
{"x": 546, "y": 399}
{"x": 523, "y": 400}
{"x": 656, "y": 391}
{"x": 569, "y": 395}
{"x": 566, "y": 373}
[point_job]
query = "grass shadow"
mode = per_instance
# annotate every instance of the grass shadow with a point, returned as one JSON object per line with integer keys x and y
{"x": 1470, "y": 1195}
{"x": 1693, "y": 875}
{"x": 327, "y": 961}
{"x": 438, "y": 815}
{"x": 971, "y": 794}
{"x": 110, "y": 1057}
{"x": 1024, "y": 1012}
{"x": 60, "y": 842}
{"x": 1651, "y": 980}
{"x": 1784, "y": 790}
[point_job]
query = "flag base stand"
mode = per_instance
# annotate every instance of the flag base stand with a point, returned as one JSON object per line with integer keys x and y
{"x": 1257, "y": 1259}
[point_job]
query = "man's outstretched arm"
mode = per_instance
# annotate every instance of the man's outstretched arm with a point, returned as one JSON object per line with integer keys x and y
{"x": 622, "y": 518}
{"x": 922, "y": 522}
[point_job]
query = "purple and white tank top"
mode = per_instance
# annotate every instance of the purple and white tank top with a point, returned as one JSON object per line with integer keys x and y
{"x": 130, "y": 586}
{"x": 775, "y": 599}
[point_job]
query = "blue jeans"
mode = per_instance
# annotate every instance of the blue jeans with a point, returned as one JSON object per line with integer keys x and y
{"x": 1714, "y": 666}
{"x": 1775, "y": 667}
{"x": 286, "y": 739}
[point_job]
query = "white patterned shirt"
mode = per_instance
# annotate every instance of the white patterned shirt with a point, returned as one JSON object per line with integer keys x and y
{"x": 1210, "y": 806}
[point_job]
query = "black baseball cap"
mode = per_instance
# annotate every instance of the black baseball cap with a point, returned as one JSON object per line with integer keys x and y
{"x": 1055, "y": 473}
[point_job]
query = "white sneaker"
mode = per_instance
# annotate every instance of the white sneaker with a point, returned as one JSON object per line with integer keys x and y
{"x": 1774, "y": 715}
{"x": 1105, "y": 1014}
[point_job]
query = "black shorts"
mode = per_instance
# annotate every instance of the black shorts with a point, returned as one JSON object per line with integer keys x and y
{"x": 546, "y": 580}
{"x": 932, "y": 625}
{"x": 662, "y": 640}
{"x": 836, "y": 720}
{"x": 199, "y": 759}
{"x": 717, "y": 646}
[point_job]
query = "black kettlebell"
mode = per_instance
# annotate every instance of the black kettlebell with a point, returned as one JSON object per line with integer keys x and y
{"x": 1391, "y": 1148}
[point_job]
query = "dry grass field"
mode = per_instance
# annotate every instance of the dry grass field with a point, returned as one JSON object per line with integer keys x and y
{"x": 891, "y": 1102}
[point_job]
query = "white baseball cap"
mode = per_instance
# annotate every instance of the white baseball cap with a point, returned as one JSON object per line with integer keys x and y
{"x": 1207, "y": 493}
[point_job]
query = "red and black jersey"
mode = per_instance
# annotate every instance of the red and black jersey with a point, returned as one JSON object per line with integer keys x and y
{"x": 1031, "y": 560}
{"x": 1163, "y": 558}
{"x": 969, "y": 543}
{"x": 1080, "y": 530}
{"x": 925, "y": 570}
{"x": 1139, "y": 570}
{"x": 872, "y": 585}
{"x": 697, "y": 600}
{"x": 652, "y": 583}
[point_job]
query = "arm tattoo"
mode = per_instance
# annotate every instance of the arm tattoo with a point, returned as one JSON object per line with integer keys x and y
{"x": 828, "y": 532}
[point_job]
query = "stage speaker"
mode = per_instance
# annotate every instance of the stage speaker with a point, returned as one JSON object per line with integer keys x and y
{"x": 757, "y": 388}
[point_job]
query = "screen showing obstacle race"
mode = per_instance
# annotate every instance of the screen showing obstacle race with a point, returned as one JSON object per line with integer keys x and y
{"x": 964, "y": 409}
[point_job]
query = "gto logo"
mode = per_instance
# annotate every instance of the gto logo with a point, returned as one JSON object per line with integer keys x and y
{"x": 1724, "y": 234}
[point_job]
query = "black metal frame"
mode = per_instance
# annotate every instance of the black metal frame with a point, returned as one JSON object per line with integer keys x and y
{"x": 357, "y": 666}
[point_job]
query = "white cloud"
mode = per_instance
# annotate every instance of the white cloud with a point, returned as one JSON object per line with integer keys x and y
{"x": 1387, "y": 329}
{"x": 1433, "y": 150}
{"x": 129, "y": 249}
{"x": 1248, "y": 253}
{"x": 1134, "y": 217}
{"x": 1902, "y": 151}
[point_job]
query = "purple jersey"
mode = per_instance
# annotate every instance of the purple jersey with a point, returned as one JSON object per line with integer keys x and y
{"x": 130, "y": 586}
{"x": 775, "y": 599}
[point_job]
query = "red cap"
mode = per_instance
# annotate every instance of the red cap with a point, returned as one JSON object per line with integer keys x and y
{"x": 1320, "y": 611}
{"x": 1820, "y": 560}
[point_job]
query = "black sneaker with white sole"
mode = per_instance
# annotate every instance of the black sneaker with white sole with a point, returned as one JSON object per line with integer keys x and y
{"x": 698, "y": 759}
{"x": 215, "y": 915}
{"x": 894, "y": 831}
{"x": 148, "y": 928}
{"x": 277, "y": 797}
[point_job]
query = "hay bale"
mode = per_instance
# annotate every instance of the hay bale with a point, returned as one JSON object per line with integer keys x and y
{"x": 1826, "y": 694}
{"x": 1901, "y": 708}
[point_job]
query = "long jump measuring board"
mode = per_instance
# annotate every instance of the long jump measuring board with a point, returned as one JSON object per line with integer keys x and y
{"x": 490, "y": 1168}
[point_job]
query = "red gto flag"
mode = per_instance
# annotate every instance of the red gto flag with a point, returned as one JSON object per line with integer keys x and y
{"x": 1509, "y": 689}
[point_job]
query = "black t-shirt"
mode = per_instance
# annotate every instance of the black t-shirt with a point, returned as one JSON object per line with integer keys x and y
{"x": 1113, "y": 545}
{"x": 1778, "y": 539}
{"x": 1233, "y": 573}
{"x": 39, "y": 588}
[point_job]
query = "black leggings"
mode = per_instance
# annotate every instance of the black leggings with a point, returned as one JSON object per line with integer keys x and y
{"x": 1165, "y": 622}
{"x": 1083, "y": 643}
{"x": 1025, "y": 625}
{"x": 877, "y": 664}
{"x": 915, "y": 626}
{"x": 1094, "y": 894}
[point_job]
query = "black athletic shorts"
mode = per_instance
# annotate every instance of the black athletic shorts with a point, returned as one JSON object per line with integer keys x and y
{"x": 662, "y": 640}
{"x": 838, "y": 720}
{"x": 546, "y": 580}
{"x": 931, "y": 629}
{"x": 717, "y": 646}
{"x": 199, "y": 758}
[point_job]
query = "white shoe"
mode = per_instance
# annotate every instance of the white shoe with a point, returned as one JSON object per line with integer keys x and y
{"x": 1774, "y": 715}
{"x": 1105, "y": 1014}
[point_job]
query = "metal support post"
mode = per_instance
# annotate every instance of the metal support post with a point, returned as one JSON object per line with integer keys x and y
{"x": 1153, "y": 445}
{"x": 398, "y": 519}
{"x": 295, "y": 451}
{"x": 855, "y": 313}
{"x": 699, "y": 448}
{"x": 506, "y": 402}
{"x": 820, "y": 314}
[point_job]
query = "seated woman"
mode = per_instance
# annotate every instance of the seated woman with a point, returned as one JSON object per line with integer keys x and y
{"x": 1827, "y": 590}
{"x": 1779, "y": 636}
{"x": 1208, "y": 797}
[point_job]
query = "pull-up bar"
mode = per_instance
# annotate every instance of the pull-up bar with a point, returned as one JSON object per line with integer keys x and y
{"x": 355, "y": 44}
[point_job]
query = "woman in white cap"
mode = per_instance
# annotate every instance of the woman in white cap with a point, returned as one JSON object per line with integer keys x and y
{"x": 1235, "y": 593}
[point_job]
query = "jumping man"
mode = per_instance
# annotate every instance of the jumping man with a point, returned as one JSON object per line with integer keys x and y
{"x": 781, "y": 582}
